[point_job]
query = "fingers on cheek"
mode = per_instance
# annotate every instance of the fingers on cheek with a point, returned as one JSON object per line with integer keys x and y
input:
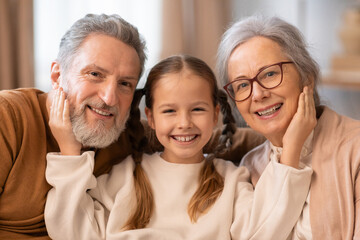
{"x": 301, "y": 106}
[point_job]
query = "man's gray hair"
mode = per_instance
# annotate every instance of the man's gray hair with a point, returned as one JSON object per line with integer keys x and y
{"x": 111, "y": 25}
{"x": 286, "y": 35}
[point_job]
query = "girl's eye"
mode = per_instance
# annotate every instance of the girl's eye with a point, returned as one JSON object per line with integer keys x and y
{"x": 198, "y": 109}
{"x": 169, "y": 111}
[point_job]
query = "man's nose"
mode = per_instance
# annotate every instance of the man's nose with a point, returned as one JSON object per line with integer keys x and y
{"x": 109, "y": 93}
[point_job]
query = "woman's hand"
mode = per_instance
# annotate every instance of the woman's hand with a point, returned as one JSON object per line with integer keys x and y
{"x": 60, "y": 125}
{"x": 300, "y": 127}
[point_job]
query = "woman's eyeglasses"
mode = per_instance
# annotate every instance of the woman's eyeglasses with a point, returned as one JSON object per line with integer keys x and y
{"x": 268, "y": 77}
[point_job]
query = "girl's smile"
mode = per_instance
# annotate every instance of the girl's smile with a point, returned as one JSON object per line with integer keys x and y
{"x": 185, "y": 139}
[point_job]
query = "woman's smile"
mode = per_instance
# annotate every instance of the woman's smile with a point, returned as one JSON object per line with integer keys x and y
{"x": 269, "y": 111}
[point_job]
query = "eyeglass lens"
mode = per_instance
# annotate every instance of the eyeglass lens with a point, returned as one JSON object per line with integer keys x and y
{"x": 269, "y": 77}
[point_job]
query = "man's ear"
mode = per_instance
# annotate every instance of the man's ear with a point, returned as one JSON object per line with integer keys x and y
{"x": 150, "y": 117}
{"x": 55, "y": 75}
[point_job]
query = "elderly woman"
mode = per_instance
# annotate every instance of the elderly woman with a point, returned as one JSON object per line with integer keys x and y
{"x": 264, "y": 65}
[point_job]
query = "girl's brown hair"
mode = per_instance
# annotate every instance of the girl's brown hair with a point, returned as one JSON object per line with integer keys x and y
{"x": 145, "y": 202}
{"x": 211, "y": 183}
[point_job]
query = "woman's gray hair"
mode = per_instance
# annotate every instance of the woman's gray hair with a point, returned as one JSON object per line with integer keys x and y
{"x": 286, "y": 35}
{"x": 111, "y": 25}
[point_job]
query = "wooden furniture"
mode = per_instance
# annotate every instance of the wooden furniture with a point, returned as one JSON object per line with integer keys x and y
{"x": 341, "y": 79}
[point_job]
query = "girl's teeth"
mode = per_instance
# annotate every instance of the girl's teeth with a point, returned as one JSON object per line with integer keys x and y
{"x": 100, "y": 112}
{"x": 270, "y": 110}
{"x": 185, "y": 139}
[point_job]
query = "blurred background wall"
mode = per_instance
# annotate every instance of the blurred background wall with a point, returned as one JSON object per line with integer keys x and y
{"x": 30, "y": 32}
{"x": 16, "y": 44}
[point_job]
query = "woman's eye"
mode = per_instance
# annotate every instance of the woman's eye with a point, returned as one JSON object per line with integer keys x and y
{"x": 272, "y": 74}
{"x": 198, "y": 109}
{"x": 243, "y": 85}
{"x": 269, "y": 74}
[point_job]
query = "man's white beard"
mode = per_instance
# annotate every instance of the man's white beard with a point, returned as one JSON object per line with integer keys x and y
{"x": 98, "y": 135}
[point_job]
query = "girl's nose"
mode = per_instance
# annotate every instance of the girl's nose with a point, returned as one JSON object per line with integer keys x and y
{"x": 185, "y": 120}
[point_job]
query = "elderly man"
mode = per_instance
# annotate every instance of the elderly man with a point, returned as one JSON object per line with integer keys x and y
{"x": 99, "y": 63}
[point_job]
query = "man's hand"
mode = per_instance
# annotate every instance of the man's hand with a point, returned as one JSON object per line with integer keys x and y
{"x": 60, "y": 125}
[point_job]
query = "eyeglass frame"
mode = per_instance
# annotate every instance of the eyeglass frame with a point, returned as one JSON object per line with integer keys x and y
{"x": 254, "y": 79}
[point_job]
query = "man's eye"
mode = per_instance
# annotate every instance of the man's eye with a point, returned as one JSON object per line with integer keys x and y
{"x": 95, "y": 74}
{"x": 127, "y": 87}
{"x": 126, "y": 84}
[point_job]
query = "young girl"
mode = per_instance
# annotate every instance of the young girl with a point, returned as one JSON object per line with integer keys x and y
{"x": 178, "y": 193}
